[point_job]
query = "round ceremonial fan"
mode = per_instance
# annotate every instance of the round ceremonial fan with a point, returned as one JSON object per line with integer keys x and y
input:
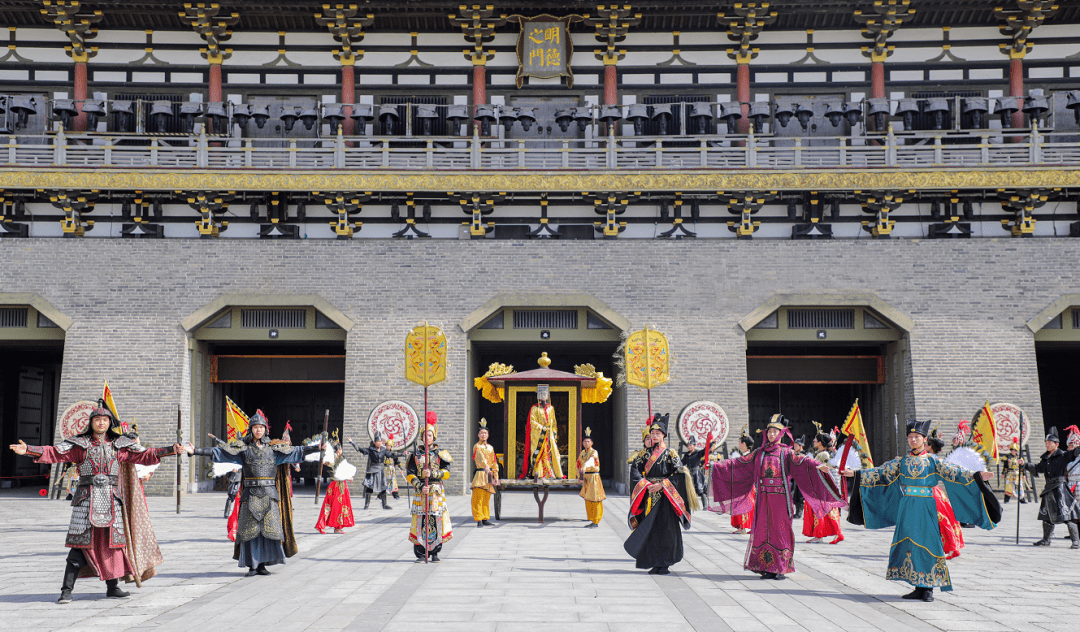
{"x": 698, "y": 419}
{"x": 396, "y": 421}
{"x": 1010, "y": 422}
{"x": 76, "y": 419}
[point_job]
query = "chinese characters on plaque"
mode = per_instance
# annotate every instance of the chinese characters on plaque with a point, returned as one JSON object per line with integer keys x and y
{"x": 544, "y": 49}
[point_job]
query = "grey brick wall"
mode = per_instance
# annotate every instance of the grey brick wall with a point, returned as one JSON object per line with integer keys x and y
{"x": 969, "y": 301}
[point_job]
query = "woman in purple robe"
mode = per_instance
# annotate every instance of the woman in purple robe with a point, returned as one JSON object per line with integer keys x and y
{"x": 771, "y": 470}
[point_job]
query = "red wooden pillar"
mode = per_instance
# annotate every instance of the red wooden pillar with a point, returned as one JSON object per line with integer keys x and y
{"x": 877, "y": 84}
{"x": 742, "y": 92}
{"x": 215, "y": 91}
{"x": 611, "y": 85}
{"x": 1016, "y": 87}
{"x": 348, "y": 96}
{"x": 80, "y": 95}
{"x": 479, "y": 84}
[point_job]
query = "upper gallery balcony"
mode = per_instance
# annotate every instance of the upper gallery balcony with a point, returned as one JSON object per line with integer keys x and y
{"x": 426, "y": 147}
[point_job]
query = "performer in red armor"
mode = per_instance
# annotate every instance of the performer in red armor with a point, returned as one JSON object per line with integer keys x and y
{"x": 107, "y": 501}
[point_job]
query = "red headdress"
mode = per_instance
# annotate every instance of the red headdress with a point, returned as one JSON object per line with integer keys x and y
{"x": 433, "y": 423}
{"x": 963, "y": 429}
{"x": 1074, "y": 437}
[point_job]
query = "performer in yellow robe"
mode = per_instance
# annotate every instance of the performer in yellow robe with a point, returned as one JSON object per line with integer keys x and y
{"x": 592, "y": 488}
{"x": 486, "y": 477}
{"x": 543, "y": 449}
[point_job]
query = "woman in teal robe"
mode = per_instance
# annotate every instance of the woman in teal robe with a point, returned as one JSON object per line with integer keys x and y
{"x": 900, "y": 494}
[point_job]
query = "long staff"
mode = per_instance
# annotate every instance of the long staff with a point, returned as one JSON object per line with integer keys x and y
{"x": 1019, "y": 481}
{"x": 179, "y": 461}
{"x": 426, "y": 495}
{"x": 322, "y": 454}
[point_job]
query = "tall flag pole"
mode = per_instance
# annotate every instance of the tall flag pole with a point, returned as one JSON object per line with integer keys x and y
{"x": 425, "y": 364}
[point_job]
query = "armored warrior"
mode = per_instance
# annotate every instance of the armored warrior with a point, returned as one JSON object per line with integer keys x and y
{"x": 426, "y": 469}
{"x": 745, "y": 521}
{"x": 540, "y": 435}
{"x": 375, "y": 477}
{"x": 1015, "y": 483}
{"x": 1072, "y": 471}
{"x": 485, "y": 479}
{"x": 772, "y": 469}
{"x": 660, "y": 504}
{"x": 900, "y": 493}
{"x": 694, "y": 460}
{"x": 592, "y": 488}
{"x": 337, "y": 509}
{"x": 110, "y": 534}
{"x": 264, "y": 535}
{"x": 1058, "y": 503}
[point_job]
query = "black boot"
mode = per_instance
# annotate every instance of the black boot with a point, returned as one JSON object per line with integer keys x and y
{"x": 112, "y": 590}
{"x": 396, "y": 496}
{"x": 1048, "y": 532}
{"x": 1074, "y": 533}
{"x": 367, "y": 499}
{"x": 927, "y": 595}
{"x": 261, "y": 570}
{"x": 71, "y": 573}
{"x": 382, "y": 497}
{"x": 915, "y": 594}
{"x": 1007, "y": 498}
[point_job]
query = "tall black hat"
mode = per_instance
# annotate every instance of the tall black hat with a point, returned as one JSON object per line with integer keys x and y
{"x": 660, "y": 422}
{"x": 1053, "y": 435}
{"x": 779, "y": 422}
{"x": 921, "y": 427}
{"x": 801, "y": 441}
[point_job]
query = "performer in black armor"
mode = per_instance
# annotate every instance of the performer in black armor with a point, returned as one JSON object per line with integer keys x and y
{"x": 660, "y": 504}
{"x": 1058, "y": 503}
{"x": 264, "y": 536}
{"x": 107, "y": 501}
{"x": 693, "y": 459}
{"x": 375, "y": 478}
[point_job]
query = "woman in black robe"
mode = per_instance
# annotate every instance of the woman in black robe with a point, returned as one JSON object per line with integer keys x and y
{"x": 659, "y": 505}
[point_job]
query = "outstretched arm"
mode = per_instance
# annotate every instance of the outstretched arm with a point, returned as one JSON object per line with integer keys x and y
{"x": 64, "y": 453}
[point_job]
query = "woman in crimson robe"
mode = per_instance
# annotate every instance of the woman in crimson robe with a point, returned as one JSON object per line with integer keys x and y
{"x": 952, "y": 535}
{"x": 772, "y": 469}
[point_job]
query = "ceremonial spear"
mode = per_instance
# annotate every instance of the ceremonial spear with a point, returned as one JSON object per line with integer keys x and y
{"x": 425, "y": 364}
{"x": 1019, "y": 480}
{"x": 179, "y": 439}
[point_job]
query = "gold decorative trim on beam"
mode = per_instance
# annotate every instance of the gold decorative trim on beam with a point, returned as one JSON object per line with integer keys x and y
{"x": 886, "y": 17}
{"x": 67, "y": 178}
{"x": 744, "y": 24}
{"x": 1017, "y": 24}
{"x": 213, "y": 29}
{"x": 64, "y": 14}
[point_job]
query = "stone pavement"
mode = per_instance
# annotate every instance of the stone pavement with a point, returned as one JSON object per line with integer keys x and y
{"x": 522, "y": 576}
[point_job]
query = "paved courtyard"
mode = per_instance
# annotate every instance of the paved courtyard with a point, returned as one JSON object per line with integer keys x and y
{"x": 522, "y": 576}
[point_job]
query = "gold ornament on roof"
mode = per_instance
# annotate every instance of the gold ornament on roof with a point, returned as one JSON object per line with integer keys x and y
{"x": 544, "y": 360}
{"x": 496, "y": 369}
{"x": 585, "y": 370}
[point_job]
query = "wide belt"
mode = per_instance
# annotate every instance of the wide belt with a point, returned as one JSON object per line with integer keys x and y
{"x": 774, "y": 485}
{"x": 1056, "y": 481}
{"x": 99, "y": 480}
{"x": 259, "y": 482}
{"x": 917, "y": 490}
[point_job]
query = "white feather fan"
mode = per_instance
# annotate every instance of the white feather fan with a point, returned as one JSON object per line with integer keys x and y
{"x": 967, "y": 458}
